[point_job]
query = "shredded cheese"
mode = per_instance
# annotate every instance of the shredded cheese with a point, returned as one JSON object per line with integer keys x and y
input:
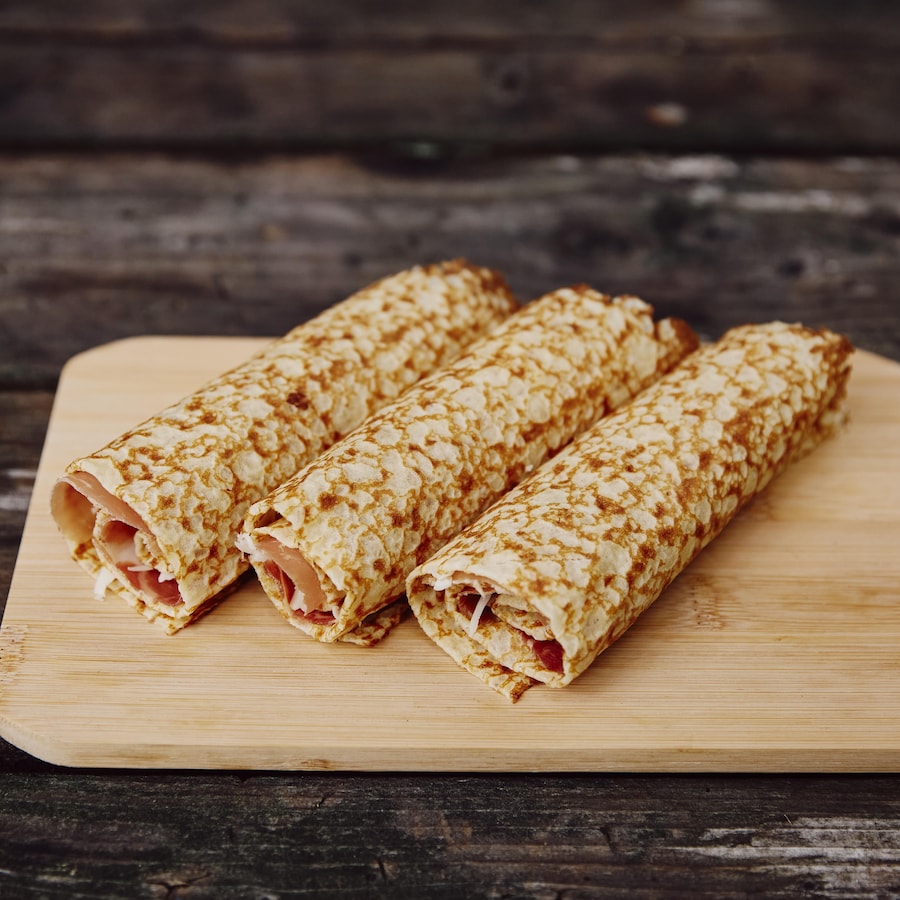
{"x": 476, "y": 615}
{"x": 247, "y": 546}
{"x": 442, "y": 582}
{"x": 298, "y": 600}
{"x": 104, "y": 579}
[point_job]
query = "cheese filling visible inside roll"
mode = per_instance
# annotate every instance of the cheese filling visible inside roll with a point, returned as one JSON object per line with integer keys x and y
{"x": 493, "y": 615}
{"x": 86, "y": 508}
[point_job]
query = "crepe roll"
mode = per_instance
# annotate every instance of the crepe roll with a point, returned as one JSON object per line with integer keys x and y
{"x": 333, "y": 546}
{"x": 562, "y": 566}
{"x": 153, "y": 515}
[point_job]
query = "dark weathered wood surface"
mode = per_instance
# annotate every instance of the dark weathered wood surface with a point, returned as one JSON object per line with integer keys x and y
{"x": 194, "y": 836}
{"x": 95, "y": 248}
{"x": 721, "y": 75}
{"x": 232, "y": 168}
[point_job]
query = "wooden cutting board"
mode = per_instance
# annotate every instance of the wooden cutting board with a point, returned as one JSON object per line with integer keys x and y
{"x": 777, "y": 650}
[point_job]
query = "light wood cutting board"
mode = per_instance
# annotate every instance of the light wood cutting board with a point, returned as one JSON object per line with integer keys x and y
{"x": 777, "y": 650}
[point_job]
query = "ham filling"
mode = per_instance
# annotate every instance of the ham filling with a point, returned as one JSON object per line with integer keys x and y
{"x": 299, "y": 583}
{"x": 115, "y": 540}
{"x": 476, "y": 606}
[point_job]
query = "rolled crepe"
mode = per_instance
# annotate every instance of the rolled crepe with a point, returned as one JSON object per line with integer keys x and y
{"x": 564, "y": 564}
{"x": 333, "y": 546}
{"x": 154, "y": 514}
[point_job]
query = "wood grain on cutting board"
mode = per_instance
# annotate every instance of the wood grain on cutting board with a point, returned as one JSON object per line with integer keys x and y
{"x": 777, "y": 650}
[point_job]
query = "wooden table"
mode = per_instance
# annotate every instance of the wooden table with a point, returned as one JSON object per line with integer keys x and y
{"x": 232, "y": 169}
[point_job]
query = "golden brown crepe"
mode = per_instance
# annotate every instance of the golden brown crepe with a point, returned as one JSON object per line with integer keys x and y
{"x": 560, "y": 568}
{"x": 334, "y": 545}
{"x": 153, "y": 515}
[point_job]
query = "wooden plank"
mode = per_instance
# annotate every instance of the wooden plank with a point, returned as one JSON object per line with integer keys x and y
{"x": 785, "y": 100}
{"x": 24, "y": 415}
{"x": 775, "y": 651}
{"x": 766, "y": 77}
{"x": 98, "y": 248}
{"x": 274, "y": 22}
{"x": 446, "y": 837}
